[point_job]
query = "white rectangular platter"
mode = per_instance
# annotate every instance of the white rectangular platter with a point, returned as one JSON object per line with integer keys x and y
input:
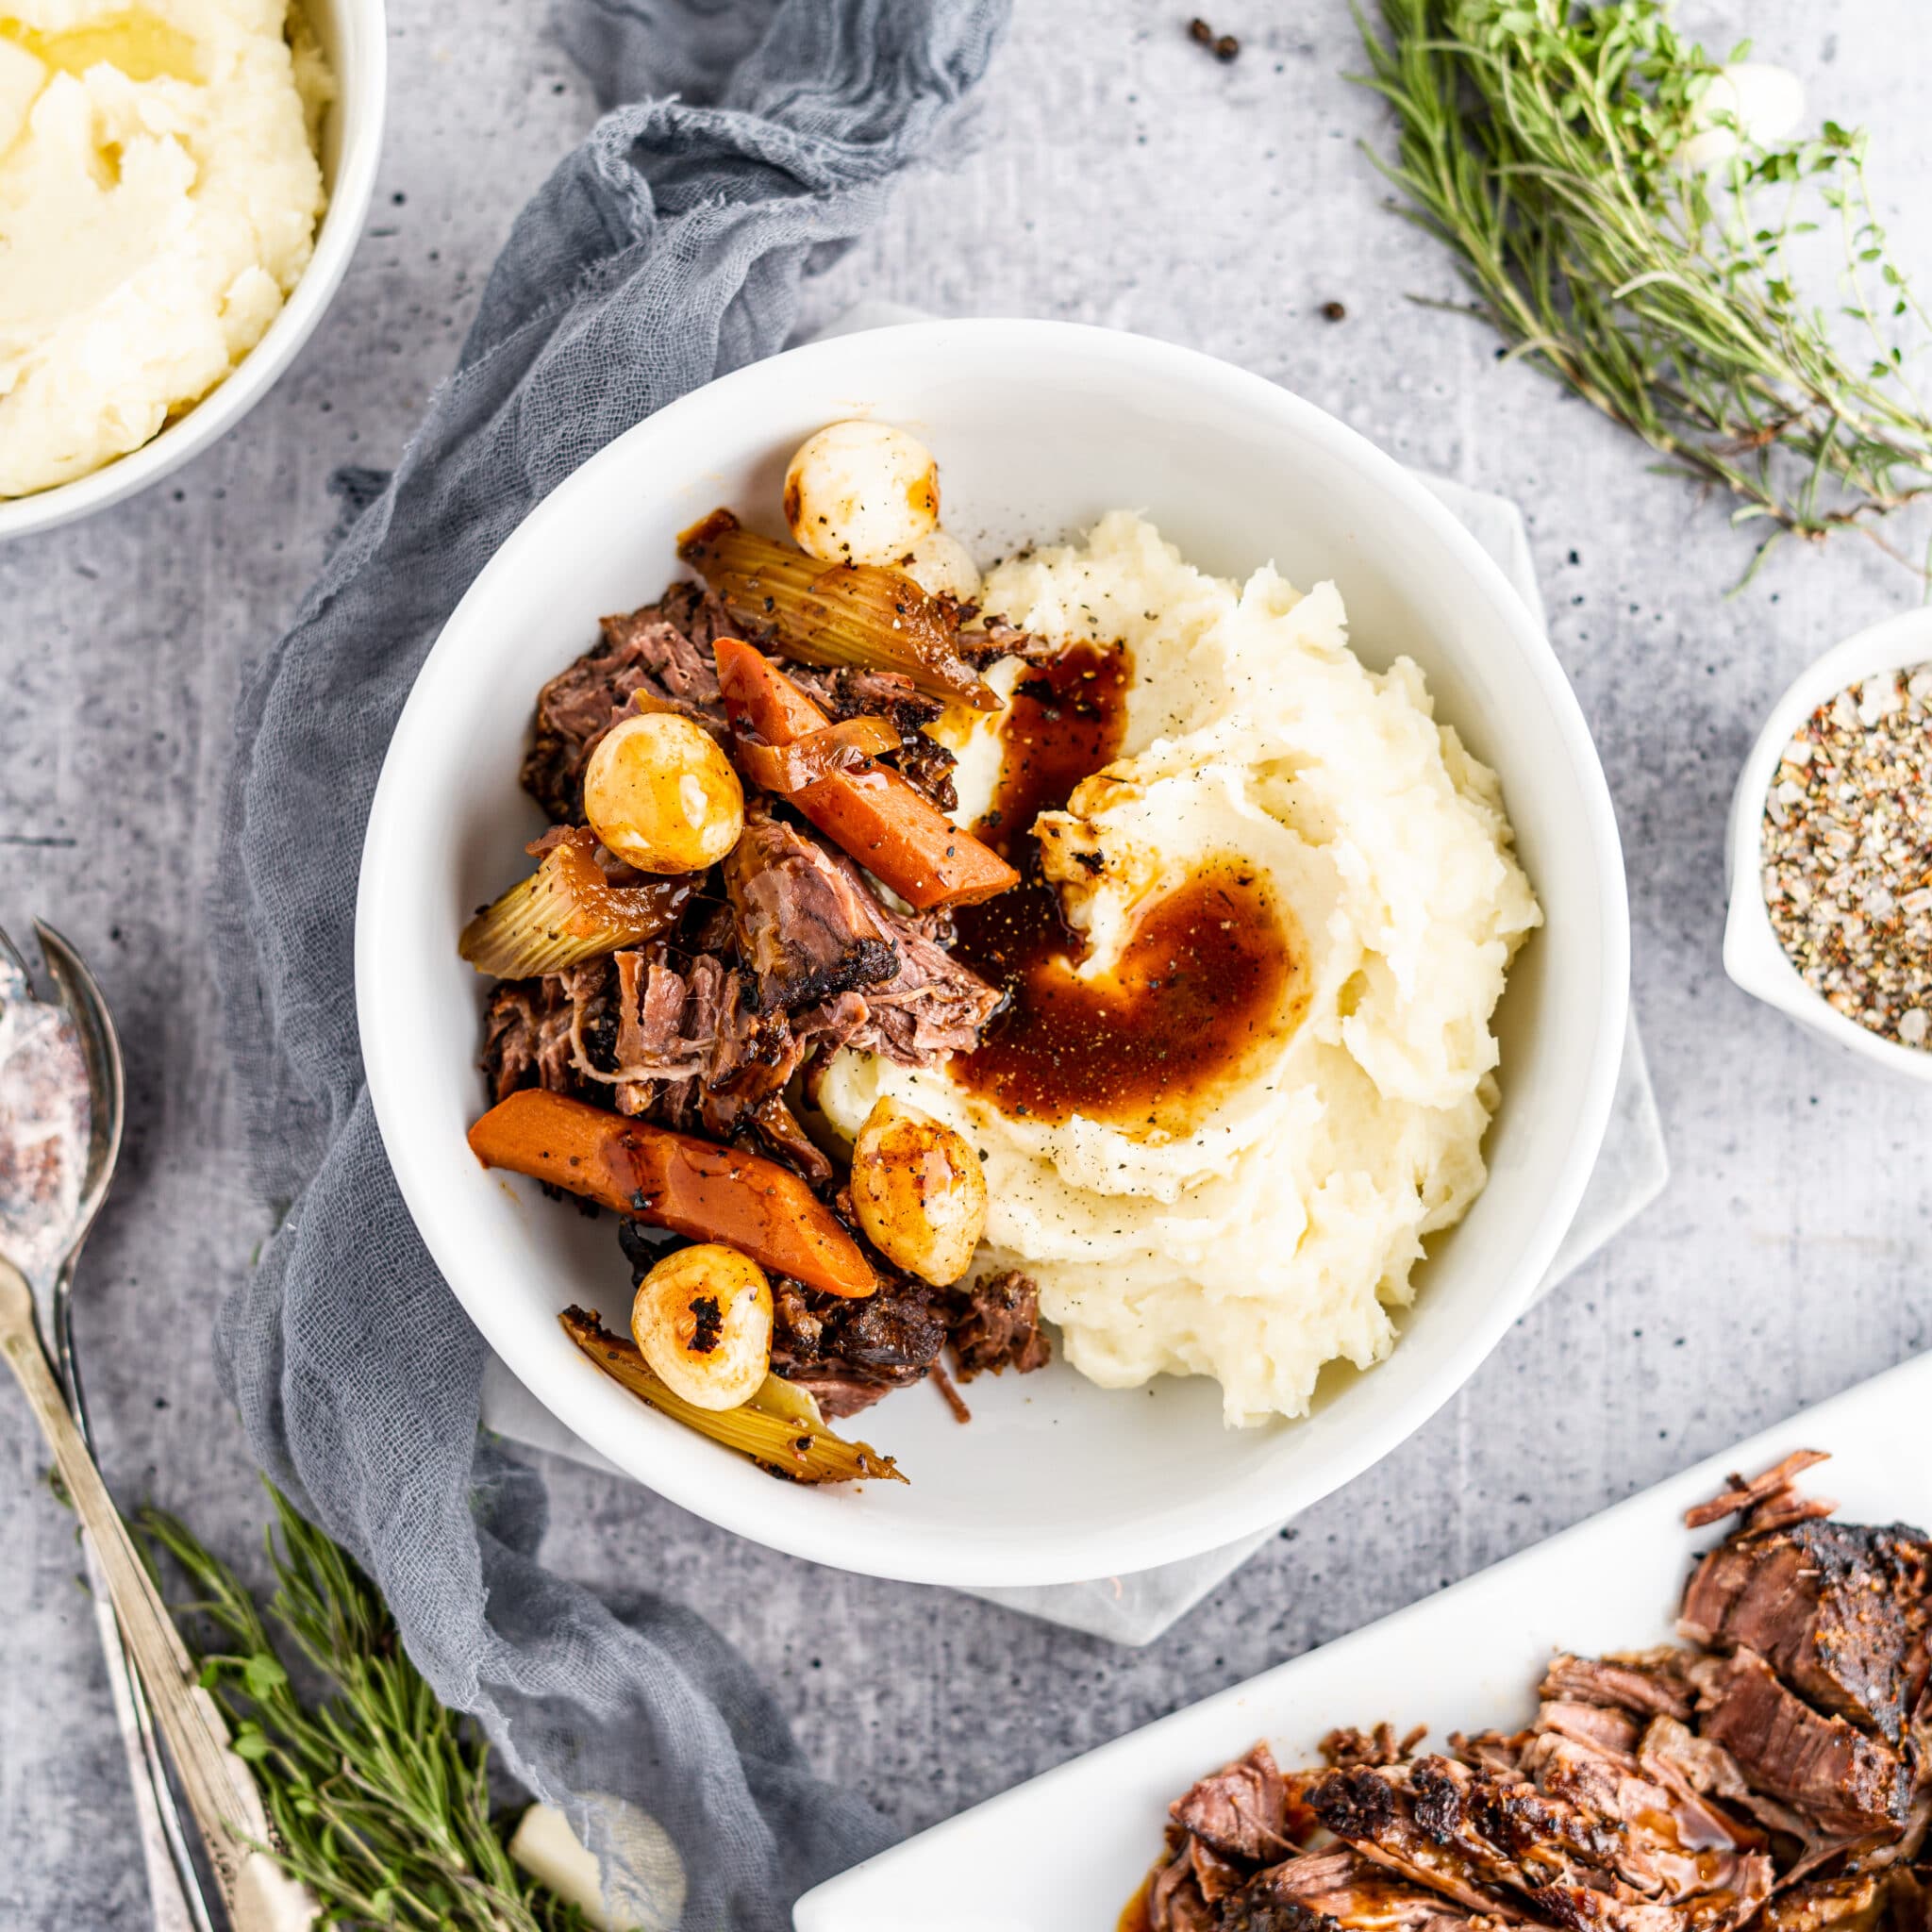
{"x": 1066, "y": 1851}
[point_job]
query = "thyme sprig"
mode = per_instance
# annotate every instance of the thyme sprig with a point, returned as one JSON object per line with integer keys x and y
{"x": 380, "y": 1796}
{"x": 1539, "y": 141}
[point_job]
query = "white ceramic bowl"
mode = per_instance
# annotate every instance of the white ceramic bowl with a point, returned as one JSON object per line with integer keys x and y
{"x": 354, "y": 37}
{"x": 1039, "y": 428}
{"x": 1752, "y": 957}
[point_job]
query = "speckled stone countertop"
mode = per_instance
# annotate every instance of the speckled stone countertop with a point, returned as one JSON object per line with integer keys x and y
{"x": 1118, "y": 175}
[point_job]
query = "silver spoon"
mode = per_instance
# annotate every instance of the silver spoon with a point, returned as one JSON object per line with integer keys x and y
{"x": 175, "y": 1887}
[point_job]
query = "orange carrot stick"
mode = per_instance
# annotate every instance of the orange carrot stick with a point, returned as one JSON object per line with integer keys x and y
{"x": 677, "y": 1181}
{"x": 891, "y": 828}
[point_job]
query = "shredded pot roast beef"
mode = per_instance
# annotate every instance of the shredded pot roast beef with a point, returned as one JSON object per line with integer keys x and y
{"x": 660, "y": 658}
{"x": 1775, "y": 1771}
{"x": 785, "y": 954}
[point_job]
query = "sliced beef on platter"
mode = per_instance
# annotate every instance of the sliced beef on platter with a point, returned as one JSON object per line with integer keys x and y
{"x": 1693, "y": 1767}
{"x": 807, "y": 928}
{"x": 1707, "y": 1788}
{"x": 1224, "y": 1829}
{"x": 1503, "y": 1846}
{"x": 1836, "y": 1608}
{"x": 995, "y": 1324}
{"x": 1241, "y": 1811}
{"x": 663, "y": 652}
{"x": 1595, "y": 1725}
{"x": 1422, "y": 1820}
{"x": 1340, "y": 1889}
{"x": 1665, "y": 1845}
{"x": 1651, "y": 1683}
{"x": 1176, "y": 1901}
{"x": 1845, "y": 1783}
{"x": 1345, "y": 1747}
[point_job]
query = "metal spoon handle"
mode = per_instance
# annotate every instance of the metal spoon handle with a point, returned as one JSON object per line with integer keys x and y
{"x": 175, "y": 1887}
{"x": 221, "y": 1793}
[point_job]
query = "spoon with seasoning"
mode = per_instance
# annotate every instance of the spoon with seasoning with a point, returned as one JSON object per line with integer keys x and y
{"x": 60, "y": 1093}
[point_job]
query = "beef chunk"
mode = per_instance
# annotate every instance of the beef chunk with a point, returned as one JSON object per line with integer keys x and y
{"x": 661, "y": 652}
{"x": 672, "y": 1042}
{"x": 1345, "y": 1747}
{"x": 1665, "y": 1845}
{"x": 995, "y": 1325}
{"x": 813, "y": 929}
{"x": 932, "y": 1006}
{"x": 1846, "y": 1783}
{"x": 1832, "y": 1606}
{"x": 808, "y": 929}
{"x": 995, "y": 639}
{"x": 850, "y": 1353}
{"x": 1594, "y": 1724}
{"x": 526, "y": 1037}
{"x": 1688, "y": 1766}
{"x": 1343, "y": 1890}
{"x": 1498, "y": 1846}
{"x": 895, "y": 1337}
{"x": 1241, "y": 1810}
{"x": 1650, "y": 1683}
{"x": 1175, "y": 1899}
{"x": 1773, "y": 1490}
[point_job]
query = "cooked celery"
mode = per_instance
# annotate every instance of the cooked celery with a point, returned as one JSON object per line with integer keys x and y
{"x": 849, "y": 613}
{"x": 779, "y": 1428}
{"x": 565, "y": 912}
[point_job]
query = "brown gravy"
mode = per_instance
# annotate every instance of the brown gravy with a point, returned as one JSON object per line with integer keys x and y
{"x": 1207, "y": 972}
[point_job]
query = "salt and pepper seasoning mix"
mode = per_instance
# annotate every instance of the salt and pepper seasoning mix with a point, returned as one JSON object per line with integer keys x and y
{"x": 1848, "y": 853}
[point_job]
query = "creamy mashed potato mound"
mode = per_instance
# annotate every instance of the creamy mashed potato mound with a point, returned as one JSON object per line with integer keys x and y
{"x": 159, "y": 199}
{"x": 1274, "y": 1228}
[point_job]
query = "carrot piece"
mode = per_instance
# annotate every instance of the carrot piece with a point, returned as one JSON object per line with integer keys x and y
{"x": 677, "y": 1181}
{"x": 893, "y": 829}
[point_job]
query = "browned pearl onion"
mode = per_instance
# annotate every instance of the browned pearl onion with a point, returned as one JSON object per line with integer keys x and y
{"x": 862, "y": 493}
{"x": 918, "y": 1193}
{"x": 662, "y": 796}
{"x": 703, "y": 1321}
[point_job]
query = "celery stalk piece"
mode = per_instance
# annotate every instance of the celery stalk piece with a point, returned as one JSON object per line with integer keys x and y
{"x": 847, "y": 613}
{"x": 779, "y": 1428}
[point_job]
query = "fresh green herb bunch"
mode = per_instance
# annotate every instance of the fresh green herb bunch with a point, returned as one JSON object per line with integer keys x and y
{"x": 381, "y": 1798}
{"x": 1539, "y": 141}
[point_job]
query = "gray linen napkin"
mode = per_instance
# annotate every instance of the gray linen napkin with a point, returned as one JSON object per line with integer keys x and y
{"x": 665, "y": 251}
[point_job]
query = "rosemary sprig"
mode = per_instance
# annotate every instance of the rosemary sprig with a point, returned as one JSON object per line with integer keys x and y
{"x": 1537, "y": 141}
{"x": 380, "y": 1796}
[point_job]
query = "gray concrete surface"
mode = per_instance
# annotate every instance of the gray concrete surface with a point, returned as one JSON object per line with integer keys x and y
{"x": 1119, "y": 175}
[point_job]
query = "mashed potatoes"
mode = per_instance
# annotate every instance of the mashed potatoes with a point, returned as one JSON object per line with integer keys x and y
{"x": 1270, "y": 1224}
{"x": 159, "y": 197}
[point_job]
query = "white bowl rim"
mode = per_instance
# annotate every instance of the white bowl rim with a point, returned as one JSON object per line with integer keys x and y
{"x": 1754, "y": 960}
{"x": 265, "y": 365}
{"x": 677, "y": 1470}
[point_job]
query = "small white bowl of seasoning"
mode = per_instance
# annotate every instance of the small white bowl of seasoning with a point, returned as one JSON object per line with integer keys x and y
{"x": 1830, "y": 849}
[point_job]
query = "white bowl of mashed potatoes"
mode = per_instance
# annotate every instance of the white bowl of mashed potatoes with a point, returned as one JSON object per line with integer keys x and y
{"x": 1337, "y": 704}
{"x": 182, "y": 183}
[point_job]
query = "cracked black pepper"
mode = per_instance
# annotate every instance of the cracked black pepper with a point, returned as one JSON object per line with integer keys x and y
{"x": 1848, "y": 853}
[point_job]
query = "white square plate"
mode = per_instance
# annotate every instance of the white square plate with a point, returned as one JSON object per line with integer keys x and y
{"x": 1067, "y": 1852}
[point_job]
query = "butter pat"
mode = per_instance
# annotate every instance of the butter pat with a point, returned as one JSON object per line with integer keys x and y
{"x": 546, "y": 1847}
